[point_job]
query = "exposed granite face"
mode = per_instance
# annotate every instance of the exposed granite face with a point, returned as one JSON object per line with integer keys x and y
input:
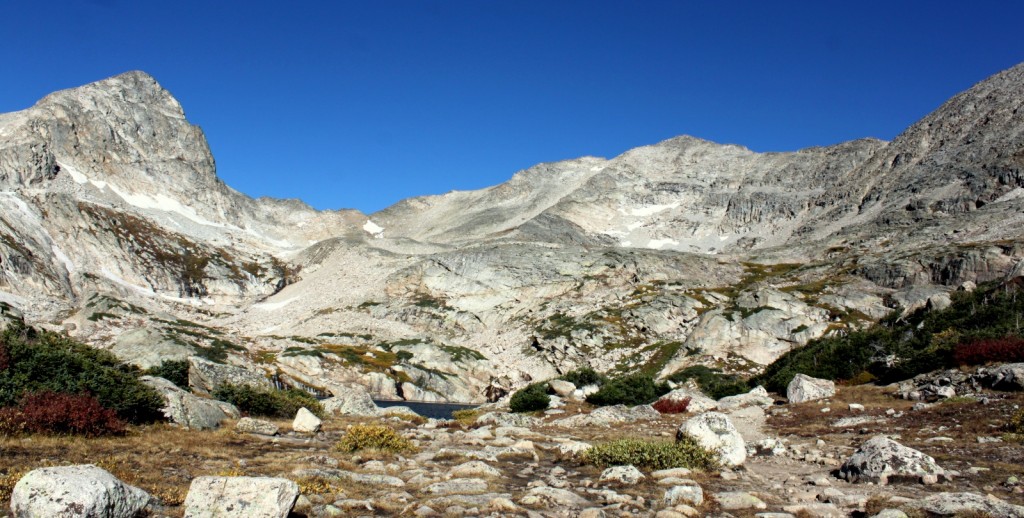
{"x": 686, "y": 251}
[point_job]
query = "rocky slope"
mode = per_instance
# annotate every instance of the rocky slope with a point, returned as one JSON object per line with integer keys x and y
{"x": 115, "y": 226}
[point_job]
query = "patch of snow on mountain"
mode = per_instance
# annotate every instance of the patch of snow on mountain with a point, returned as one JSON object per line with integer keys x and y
{"x": 651, "y": 210}
{"x": 658, "y": 244}
{"x": 373, "y": 229}
{"x": 62, "y": 257}
{"x": 271, "y": 306}
{"x": 117, "y": 279}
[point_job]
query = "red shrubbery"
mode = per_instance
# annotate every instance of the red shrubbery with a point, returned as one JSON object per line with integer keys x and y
{"x": 980, "y": 352}
{"x": 57, "y": 413}
{"x": 671, "y": 406}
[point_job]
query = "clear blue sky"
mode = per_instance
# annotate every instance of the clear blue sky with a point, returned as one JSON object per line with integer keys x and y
{"x": 358, "y": 105}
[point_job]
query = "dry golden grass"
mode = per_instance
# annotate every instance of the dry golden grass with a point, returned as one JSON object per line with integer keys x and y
{"x": 160, "y": 459}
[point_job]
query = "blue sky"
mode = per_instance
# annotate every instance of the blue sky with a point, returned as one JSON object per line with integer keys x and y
{"x": 358, "y": 105}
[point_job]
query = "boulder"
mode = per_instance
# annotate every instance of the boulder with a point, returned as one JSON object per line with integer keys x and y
{"x": 698, "y": 401}
{"x": 240, "y": 497}
{"x": 256, "y": 426}
{"x": 350, "y": 400}
{"x": 882, "y": 460}
{"x": 205, "y": 376}
{"x": 714, "y": 431}
{"x": 186, "y": 409}
{"x": 610, "y": 415}
{"x": 9, "y": 315}
{"x": 624, "y": 475}
{"x": 968, "y": 504}
{"x": 688, "y": 494}
{"x": 562, "y": 388}
{"x": 805, "y": 388}
{"x": 1006, "y": 377}
{"x": 76, "y": 491}
{"x": 148, "y": 347}
{"x": 756, "y": 397}
{"x": 306, "y": 422}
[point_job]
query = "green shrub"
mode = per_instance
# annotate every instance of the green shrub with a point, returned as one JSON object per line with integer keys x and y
{"x": 530, "y": 398}
{"x": 175, "y": 371}
{"x": 268, "y": 402}
{"x": 897, "y": 348}
{"x": 654, "y": 455}
{"x": 373, "y": 437}
{"x": 633, "y": 389}
{"x": 582, "y": 377}
{"x": 712, "y": 381}
{"x": 41, "y": 361}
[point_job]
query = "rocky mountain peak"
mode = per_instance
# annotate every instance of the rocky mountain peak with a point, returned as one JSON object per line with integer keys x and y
{"x": 134, "y": 87}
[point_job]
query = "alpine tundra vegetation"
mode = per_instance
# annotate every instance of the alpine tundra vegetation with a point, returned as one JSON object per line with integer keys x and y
{"x": 630, "y": 327}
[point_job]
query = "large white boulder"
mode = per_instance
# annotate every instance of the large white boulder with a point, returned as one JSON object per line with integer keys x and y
{"x": 715, "y": 432}
{"x": 881, "y": 460}
{"x": 562, "y": 388}
{"x": 240, "y": 497}
{"x": 188, "y": 410}
{"x": 306, "y": 422}
{"x": 805, "y": 388}
{"x": 76, "y": 491}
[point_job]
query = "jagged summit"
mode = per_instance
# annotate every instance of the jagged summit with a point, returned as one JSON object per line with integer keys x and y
{"x": 135, "y": 87}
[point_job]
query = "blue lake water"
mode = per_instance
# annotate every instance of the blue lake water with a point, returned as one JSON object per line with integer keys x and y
{"x": 434, "y": 410}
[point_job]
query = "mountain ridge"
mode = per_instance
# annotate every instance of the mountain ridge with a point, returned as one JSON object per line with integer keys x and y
{"x": 681, "y": 252}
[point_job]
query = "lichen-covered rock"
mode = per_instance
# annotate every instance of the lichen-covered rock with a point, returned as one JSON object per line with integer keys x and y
{"x": 688, "y": 494}
{"x": 350, "y": 400}
{"x": 189, "y": 410}
{"x": 306, "y": 422}
{"x": 84, "y": 491}
{"x": 624, "y": 475}
{"x": 256, "y": 426}
{"x": 758, "y": 396}
{"x": 205, "y": 376}
{"x": 610, "y": 415}
{"x": 805, "y": 388}
{"x": 240, "y": 497}
{"x": 698, "y": 401}
{"x": 882, "y": 460}
{"x": 1006, "y": 377}
{"x": 714, "y": 431}
{"x": 961, "y": 504}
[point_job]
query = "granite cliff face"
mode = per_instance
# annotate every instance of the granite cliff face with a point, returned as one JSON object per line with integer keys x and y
{"x": 115, "y": 226}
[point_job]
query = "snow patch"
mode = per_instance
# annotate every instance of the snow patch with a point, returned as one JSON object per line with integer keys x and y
{"x": 650, "y": 210}
{"x": 117, "y": 279}
{"x": 77, "y": 176}
{"x": 635, "y": 225}
{"x": 658, "y": 244}
{"x": 62, "y": 257}
{"x": 271, "y": 306}
{"x": 723, "y": 238}
{"x": 373, "y": 229}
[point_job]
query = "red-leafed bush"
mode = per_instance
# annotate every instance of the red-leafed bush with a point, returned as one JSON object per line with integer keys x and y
{"x": 57, "y": 413}
{"x": 980, "y": 352}
{"x": 671, "y": 406}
